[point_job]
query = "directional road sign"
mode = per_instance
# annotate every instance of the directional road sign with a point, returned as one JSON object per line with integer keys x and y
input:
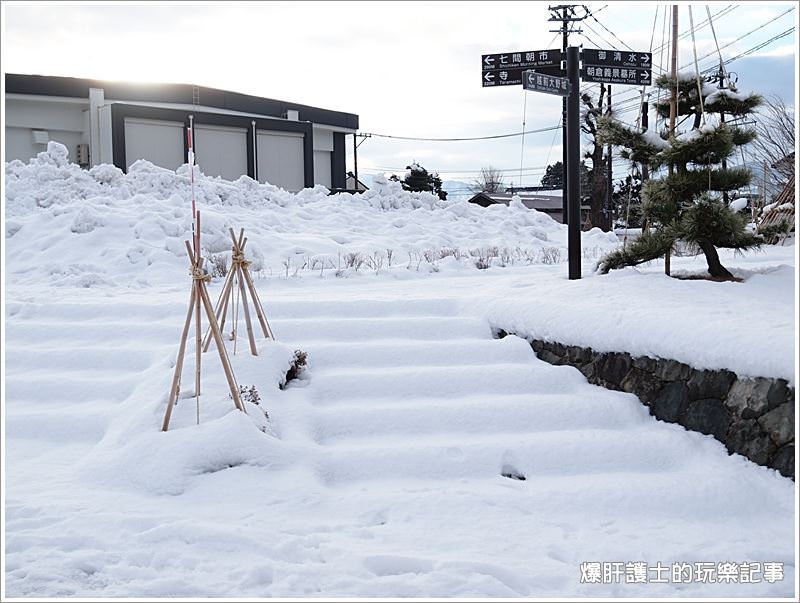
{"x": 505, "y": 68}
{"x": 513, "y": 77}
{"x": 540, "y": 82}
{"x": 617, "y": 67}
{"x": 616, "y": 75}
{"x": 617, "y": 58}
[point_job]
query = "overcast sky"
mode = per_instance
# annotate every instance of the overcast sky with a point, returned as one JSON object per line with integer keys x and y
{"x": 407, "y": 69}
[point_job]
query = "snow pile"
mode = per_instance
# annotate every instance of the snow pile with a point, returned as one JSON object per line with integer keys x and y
{"x": 745, "y": 327}
{"x": 380, "y": 473}
{"x": 738, "y": 204}
{"x": 224, "y": 438}
{"x": 72, "y": 227}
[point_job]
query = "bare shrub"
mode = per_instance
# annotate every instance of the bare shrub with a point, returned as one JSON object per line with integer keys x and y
{"x": 219, "y": 264}
{"x": 550, "y": 255}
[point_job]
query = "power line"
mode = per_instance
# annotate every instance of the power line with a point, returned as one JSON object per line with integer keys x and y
{"x": 494, "y": 137}
{"x": 628, "y": 100}
{"x": 760, "y": 46}
{"x": 609, "y": 31}
{"x": 539, "y": 168}
{"x": 605, "y": 41}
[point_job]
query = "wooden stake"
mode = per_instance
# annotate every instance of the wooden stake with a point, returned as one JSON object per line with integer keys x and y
{"x": 198, "y": 344}
{"x": 257, "y": 303}
{"x": 198, "y": 297}
{"x": 223, "y": 355}
{"x": 176, "y": 379}
{"x": 219, "y": 309}
{"x": 247, "y": 322}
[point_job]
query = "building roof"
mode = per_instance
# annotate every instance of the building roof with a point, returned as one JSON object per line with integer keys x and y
{"x": 174, "y": 93}
{"x": 537, "y": 200}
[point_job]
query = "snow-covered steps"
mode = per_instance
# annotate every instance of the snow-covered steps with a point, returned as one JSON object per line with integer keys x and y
{"x": 404, "y": 382}
{"x": 79, "y": 422}
{"x": 331, "y": 356}
{"x": 382, "y": 420}
{"x": 380, "y": 307}
{"x": 457, "y": 456}
{"x": 354, "y": 328}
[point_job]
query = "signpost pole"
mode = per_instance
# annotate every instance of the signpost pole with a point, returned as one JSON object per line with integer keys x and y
{"x": 564, "y": 183}
{"x": 573, "y": 160}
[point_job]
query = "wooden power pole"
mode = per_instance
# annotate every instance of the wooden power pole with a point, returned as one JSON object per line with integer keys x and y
{"x": 673, "y": 102}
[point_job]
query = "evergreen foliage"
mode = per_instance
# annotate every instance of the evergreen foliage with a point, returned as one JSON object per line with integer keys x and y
{"x": 627, "y": 199}
{"x": 554, "y": 175}
{"x": 681, "y": 206}
{"x": 418, "y": 179}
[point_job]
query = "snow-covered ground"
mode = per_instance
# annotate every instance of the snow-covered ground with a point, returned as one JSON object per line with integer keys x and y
{"x": 380, "y": 470}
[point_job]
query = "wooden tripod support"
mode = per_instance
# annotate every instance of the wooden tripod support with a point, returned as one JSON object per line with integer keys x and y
{"x": 198, "y": 298}
{"x": 239, "y": 273}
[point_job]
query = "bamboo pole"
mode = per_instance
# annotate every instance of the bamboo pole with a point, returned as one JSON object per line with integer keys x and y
{"x": 257, "y": 303}
{"x": 176, "y": 379}
{"x": 223, "y": 355}
{"x": 198, "y": 326}
{"x": 219, "y": 309}
{"x": 248, "y": 324}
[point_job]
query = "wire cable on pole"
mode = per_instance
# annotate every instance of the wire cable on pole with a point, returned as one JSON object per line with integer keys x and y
{"x": 494, "y": 137}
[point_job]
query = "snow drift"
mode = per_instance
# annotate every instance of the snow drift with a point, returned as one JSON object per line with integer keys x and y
{"x": 73, "y": 227}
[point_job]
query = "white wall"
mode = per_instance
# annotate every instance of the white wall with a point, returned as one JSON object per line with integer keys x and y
{"x": 105, "y": 153}
{"x": 221, "y": 151}
{"x": 280, "y": 159}
{"x": 322, "y": 168}
{"x": 63, "y": 119}
{"x": 160, "y": 142}
{"x": 19, "y": 143}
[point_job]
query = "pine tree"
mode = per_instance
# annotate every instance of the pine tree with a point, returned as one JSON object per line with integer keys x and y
{"x": 418, "y": 179}
{"x": 627, "y": 201}
{"x": 554, "y": 176}
{"x": 686, "y": 205}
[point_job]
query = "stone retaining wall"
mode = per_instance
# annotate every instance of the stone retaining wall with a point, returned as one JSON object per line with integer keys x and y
{"x": 753, "y": 417}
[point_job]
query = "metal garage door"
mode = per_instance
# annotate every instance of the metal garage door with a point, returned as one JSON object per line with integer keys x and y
{"x": 221, "y": 151}
{"x": 160, "y": 142}
{"x": 280, "y": 159}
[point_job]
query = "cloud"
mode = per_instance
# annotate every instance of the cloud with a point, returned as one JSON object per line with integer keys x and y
{"x": 407, "y": 69}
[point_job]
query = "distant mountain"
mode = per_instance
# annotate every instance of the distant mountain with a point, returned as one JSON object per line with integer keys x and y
{"x": 457, "y": 190}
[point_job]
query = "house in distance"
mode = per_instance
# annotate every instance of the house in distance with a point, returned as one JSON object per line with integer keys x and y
{"x": 286, "y": 144}
{"x": 547, "y": 201}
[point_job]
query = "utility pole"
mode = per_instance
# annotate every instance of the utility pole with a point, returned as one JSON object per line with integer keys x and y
{"x": 721, "y": 85}
{"x": 609, "y": 177}
{"x": 645, "y": 126}
{"x": 565, "y": 13}
{"x": 673, "y": 102}
{"x": 572, "y": 165}
{"x": 355, "y": 163}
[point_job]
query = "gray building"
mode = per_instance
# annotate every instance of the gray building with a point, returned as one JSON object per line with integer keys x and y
{"x": 547, "y": 201}
{"x": 286, "y": 144}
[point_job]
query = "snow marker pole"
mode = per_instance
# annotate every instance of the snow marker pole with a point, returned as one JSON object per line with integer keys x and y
{"x": 190, "y": 141}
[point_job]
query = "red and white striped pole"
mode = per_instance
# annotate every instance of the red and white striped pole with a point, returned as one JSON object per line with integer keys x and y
{"x": 195, "y": 233}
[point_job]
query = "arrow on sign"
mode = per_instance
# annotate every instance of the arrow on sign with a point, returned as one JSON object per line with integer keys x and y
{"x": 488, "y": 61}
{"x": 645, "y": 76}
{"x": 488, "y": 76}
{"x": 645, "y": 59}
